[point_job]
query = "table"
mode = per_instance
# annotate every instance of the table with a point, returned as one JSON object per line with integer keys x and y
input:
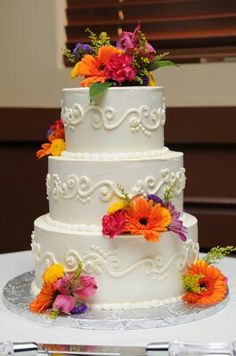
{"x": 219, "y": 327}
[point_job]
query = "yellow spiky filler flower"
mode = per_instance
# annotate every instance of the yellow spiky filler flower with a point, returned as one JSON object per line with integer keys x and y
{"x": 53, "y": 272}
{"x": 118, "y": 205}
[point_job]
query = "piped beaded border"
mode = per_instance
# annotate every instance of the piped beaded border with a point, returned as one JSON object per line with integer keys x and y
{"x": 115, "y": 156}
{"x": 72, "y": 227}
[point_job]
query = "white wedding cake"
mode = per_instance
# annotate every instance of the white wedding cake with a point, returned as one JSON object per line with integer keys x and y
{"x": 115, "y": 141}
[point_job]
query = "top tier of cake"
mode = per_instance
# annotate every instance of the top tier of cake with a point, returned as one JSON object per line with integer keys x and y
{"x": 134, "y": 115}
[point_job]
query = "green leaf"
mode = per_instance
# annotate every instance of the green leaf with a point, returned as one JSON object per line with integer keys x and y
{"x": 98, "y": 89}
{"x": 159, "y": 63}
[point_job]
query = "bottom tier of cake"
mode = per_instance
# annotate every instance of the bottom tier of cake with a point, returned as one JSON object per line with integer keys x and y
{"x": 130, "y": 271}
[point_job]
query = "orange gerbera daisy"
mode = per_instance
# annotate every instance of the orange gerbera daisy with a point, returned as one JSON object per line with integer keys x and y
{"x": 43, "y": 300}
{"x": 93, "y": 68}
{"x": 45, "y": 150}
{"x": 144, "y": 218}
{"x": 210, "y": 287}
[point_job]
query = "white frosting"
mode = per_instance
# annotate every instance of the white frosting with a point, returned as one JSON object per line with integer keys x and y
{"x": 151, "y": 271}
{"x": 126, "y": 119}
{"x": 115, "y": 156}
{"x": 80, "y": 192}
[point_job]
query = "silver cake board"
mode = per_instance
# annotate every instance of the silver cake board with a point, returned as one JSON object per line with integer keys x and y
{"x": 17, "y": 296}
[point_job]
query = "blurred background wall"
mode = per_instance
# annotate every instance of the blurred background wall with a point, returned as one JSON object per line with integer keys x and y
{"x": 201, "y": 122}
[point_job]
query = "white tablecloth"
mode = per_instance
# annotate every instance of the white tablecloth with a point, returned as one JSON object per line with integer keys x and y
{"x": 219, "y": 327}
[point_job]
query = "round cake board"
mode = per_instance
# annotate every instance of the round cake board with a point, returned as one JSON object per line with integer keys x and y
{"x": 17, "y": 296}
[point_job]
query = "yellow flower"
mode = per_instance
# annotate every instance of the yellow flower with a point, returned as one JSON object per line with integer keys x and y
{"x": 57, "y": 146}
{"x": 118, "y": 205}
{"x": 53, "y": 272}
{"x": 152, "y": 82}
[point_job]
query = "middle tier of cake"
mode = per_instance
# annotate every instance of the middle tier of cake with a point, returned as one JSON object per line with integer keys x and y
{"x": 81, "y": 190}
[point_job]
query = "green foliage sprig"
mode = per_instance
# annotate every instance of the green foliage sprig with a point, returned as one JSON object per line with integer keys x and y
{"x": 77, "y": 273}
{"x": 169, "y": 192}
{"x": 69, "y": 55}
{"x": 217, "y": 253}
{"x": 98, "y": 41}
{"x": 125, "y": 195}
{"x": 158, "y": 62}
{"x": 53, "y": 314}
{"x": 142, "y": 40}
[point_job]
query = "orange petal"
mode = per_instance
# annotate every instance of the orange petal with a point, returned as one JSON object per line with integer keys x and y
{"x": 105, "y": 52}
{"x": 45, "y": 151}
{"x": 151, "y": 235}
{"x": 87, "y": 66}
{"x": 43, "y": 299}
{"x": 90, "y": 80}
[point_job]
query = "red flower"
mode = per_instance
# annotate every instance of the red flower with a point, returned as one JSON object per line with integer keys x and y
{"x": 56, "y": 131}
{"x": 113, "y": 224}
{"x": 120, "y": 68}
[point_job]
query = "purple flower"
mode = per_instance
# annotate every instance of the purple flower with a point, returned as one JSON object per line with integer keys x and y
{"x": 146, "y": 81}
{"x": 79, "y": 309}
{"x": 155, "y": 199}
{"x": 176, "y": 224}
{"x": 64, "y": 303}
{"x": 49, "y": 132}
{"x": 81, "y": 49}
{"x": 130, "y": 42}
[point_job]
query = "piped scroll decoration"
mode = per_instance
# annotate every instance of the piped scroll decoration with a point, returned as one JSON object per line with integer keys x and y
{"x": 81, "y": 188}
{"x": 142, "y": 119}
{"x": 152, "y": 185}
{"x": 98, "y": 261}
{"x": 40, "y": 257}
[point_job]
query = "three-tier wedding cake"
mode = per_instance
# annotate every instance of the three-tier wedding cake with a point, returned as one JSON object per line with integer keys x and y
{"x": 115, "y": 141}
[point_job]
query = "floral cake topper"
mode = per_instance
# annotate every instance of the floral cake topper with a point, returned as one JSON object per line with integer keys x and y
{"x": 127, "y": 63}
